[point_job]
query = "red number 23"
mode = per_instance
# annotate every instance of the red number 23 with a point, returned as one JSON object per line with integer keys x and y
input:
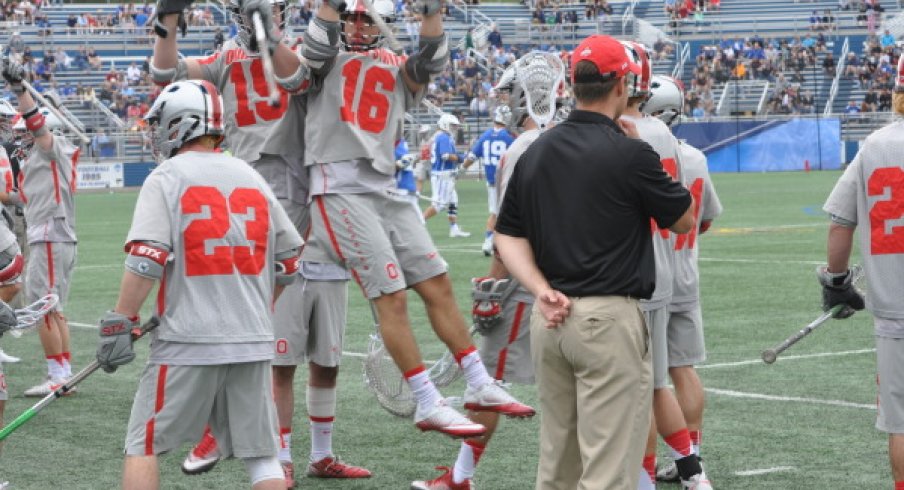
{"x": 248, "y": 259}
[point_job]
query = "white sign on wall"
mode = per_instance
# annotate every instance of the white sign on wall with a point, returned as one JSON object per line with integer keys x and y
{"x": 99, "y": 175}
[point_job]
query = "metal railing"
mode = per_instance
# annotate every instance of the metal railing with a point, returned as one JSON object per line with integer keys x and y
{"x": 839, "y": 71}
{"x": 117, "y": 121}
{"x": 763, "y": 97}
{"x": 684, "y": 54}
{"x": 628, "y": 15}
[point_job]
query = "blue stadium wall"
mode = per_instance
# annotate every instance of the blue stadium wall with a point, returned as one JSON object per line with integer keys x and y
{"x": 767, "y": 146}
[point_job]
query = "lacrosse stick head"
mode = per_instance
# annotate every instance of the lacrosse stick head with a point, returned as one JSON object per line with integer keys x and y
{"x": 244, "y": 24}
{"x": 385, "y": 380}
{"x": 445, "y": 371}
{"x": 30, "y": 316}
{"x": 537, "y": 78}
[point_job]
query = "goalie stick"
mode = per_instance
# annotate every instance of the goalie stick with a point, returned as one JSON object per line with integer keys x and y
{"x": 66, "y": 387}
{"x": 770, "y": 355}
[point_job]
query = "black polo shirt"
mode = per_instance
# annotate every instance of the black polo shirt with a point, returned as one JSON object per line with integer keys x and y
{"x": 583, "y": 195}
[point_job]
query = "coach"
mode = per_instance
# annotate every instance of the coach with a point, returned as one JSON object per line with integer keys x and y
{"x": 575, "y": 230}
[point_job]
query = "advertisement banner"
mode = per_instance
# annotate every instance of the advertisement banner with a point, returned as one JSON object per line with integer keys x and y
{"x": 99, "y": 175}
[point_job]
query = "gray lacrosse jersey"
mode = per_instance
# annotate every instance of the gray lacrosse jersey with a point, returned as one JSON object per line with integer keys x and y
{"x": 707, "y": 207}
{"x": 357, "y": 114}
{"x": 6, "y": 172}
{"x": 250, "y": 119}
{"x": 657, "y": 134}
{"x": 47, "y": 188}
{"x": 504, "y": 174}
{"x": 870, "y": 193}
{"x": 224, "y": 227}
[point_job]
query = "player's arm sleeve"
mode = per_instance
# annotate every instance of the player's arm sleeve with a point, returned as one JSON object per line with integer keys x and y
{"x": 477, "y": 149}
{"x": 664, "y": 199}
{"x": 842, "y": 202}
{"x": 151, "y": 219}
{"x": 712, "y": 206}
{"x": 509, "y": 221}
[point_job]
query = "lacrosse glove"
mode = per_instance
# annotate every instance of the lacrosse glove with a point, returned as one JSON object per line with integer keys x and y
{"x": 838, "y": 289}
{"x": 166, "y": 7}
{"x": 13, "y": 73}
{"x": 488, "y": 295}
{"x": 271, "y": 31}
{"x": 7, "y": 318}
{"x": 115, "y": 346}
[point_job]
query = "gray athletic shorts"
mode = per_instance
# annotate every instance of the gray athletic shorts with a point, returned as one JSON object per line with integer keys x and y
{"x": 889, "y": 359}
{"x": 685, "y": 334}
{"x": 3, "y": 394}
{"x": 505, "y": 350}
{"x": 379, "y": 238}
{"x": 309, "y": 322}
{"x": 44, "y": 276}
{"x": 658, "y": 323}
{"x": 174, "y": 404}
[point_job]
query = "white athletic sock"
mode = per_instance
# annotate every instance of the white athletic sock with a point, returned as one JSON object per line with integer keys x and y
{"x": 322, "y": 412}
{"x": 67, "y": 368}
{"x": 475, "y": 372}
{"x": 468, "y": 457}
{"x": 422, "y": 387}
{"x": 55, "y": 368}
{"x": 285, "y": 444}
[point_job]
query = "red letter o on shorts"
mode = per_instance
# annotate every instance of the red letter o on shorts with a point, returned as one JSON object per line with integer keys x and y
{"x": 282, "y": 346}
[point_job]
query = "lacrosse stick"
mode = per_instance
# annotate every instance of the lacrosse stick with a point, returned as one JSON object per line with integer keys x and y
{"x": 29, "y": 316}
{"x": 266, "y": 59}
{"x": 56, "y": 112}
{"x": 66, "y": 387}
{"x": 383, "y": 378}
{"x": 381, "y": 24}
{"x": 539, "y": 75}
{"x": 771, "y": 354}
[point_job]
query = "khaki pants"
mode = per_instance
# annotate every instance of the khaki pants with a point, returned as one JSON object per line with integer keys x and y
{"x": 594, "y": 376}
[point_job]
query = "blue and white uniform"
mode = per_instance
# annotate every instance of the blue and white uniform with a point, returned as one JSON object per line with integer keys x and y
{"x": 490, "y": 147}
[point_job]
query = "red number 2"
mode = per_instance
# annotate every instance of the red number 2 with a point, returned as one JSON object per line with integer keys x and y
{"x": 247, "y": 113}
{"x": 883, "y": 242}
{"x": 671, "y": 167}
{"x": 246, "y": 259}
{"x": 373, "y": 105}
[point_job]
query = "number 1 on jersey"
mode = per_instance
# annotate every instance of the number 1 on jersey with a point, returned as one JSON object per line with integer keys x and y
{"x": 373, "y": 105}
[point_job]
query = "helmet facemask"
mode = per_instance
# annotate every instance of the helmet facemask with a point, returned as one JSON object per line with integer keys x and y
{"x": 359, "y": 33}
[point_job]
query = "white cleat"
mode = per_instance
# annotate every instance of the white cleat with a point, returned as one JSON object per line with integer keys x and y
{"x": 493, "y": 397}
{"x": 7, "y": 359}
{"x": 443, "y": 418}
{"x": 667, "y": 473}
{"x": 697, "y": 482}
{"x": 203, "y": 457}
{"x": 458, "y": 233}
{"x": 487, "y": 247}
{"x": 47, "y": 387}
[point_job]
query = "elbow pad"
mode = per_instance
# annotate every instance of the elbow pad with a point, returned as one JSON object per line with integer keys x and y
{"x": 321, "y": 44}
{"x": 11, "y": 263}
{"x": 147, "y": 259}
{"x": 297, "y": 82}
{"x": 163, "y": 77}
{"x": 433, "y": 52}
{"x": 286, "y": 266}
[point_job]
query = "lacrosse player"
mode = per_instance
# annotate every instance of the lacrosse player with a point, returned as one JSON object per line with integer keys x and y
{"x": 46, "y": 188}
{"x": 202, "y": 368}
{"x": 406, "y": 183}
{"x": 267, "y": 138}
{"x": 491, "y": 145}
{"x": 502, "y": 307}
{"x": 685, "y": 329}
{"x": 868, "y": 195}
{"x": 10, "y": 275}
{"x": 669, "y": 420}
{"x": 422, "y": 171}
{"x": 355, "y": 111}
{"x": 443, "y": 174}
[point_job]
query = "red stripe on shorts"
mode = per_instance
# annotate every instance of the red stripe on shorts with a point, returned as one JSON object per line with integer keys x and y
{"x": 334, "y": 241}
{"x": 513, "y": 335}
{"x": 50, "y": 276}
{"x": 158, "y": 406}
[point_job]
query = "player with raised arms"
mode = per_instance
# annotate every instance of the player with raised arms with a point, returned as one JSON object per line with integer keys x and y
{"x": 490, "y": 147}
{"x": 310, "y": 317}
{"x": 209, "y": 360}
{"x": 668, "y": 418}
{"x": 356, "y": 106}
{"x": 868, "y": 196}
{"x": 502, "y": 307}
{"x": 686, "y": 347}
{"x": 46, "y": 188}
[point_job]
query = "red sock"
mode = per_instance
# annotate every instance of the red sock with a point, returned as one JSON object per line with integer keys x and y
{"x": 67, "y": 356}
{"x": 680, "y": 442}
{"x": 477, "y": 448}
{"x": 899, "y": 485}
{"x": 649, "y": 464}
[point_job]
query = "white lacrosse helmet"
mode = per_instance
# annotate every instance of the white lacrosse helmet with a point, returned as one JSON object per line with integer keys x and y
{"x": 446, "y": 121}
{"x": 246, "y": 30}
{"x": 502, "y": 115}
{"x": 532, "y": 83}
{"x": 182, "y": 112}
{"x": 8, "y": 118}
{"x": 638, "y": 85}
{"x": 356, "y": 16}
{"x": 666, "y": 99}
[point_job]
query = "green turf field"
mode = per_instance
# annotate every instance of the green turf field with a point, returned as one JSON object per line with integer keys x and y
{"x": 803, "y": 423}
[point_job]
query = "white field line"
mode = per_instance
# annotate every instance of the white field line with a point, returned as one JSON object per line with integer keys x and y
{"x": 787, "y": 358}
{"x": 776, "y": 398}
{"x": 763, "y": 471}
{"x": 760, "y": 261}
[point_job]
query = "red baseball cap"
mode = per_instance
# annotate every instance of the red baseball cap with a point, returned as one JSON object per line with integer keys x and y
{"x": 609, "y": 56}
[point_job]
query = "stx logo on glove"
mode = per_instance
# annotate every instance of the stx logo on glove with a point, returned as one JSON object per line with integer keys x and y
{"x": 114, "y": 329}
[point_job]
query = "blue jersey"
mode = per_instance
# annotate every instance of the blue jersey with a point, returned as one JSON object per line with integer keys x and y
{"x": 443, "y": 144}
{"x": 404, "y": 176}
{"x": 491, "y": 145}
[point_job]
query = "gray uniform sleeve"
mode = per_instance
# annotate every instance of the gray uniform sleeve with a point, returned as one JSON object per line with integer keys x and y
{"x": 151, "y": 221}
{"x": 842, "y": 202}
